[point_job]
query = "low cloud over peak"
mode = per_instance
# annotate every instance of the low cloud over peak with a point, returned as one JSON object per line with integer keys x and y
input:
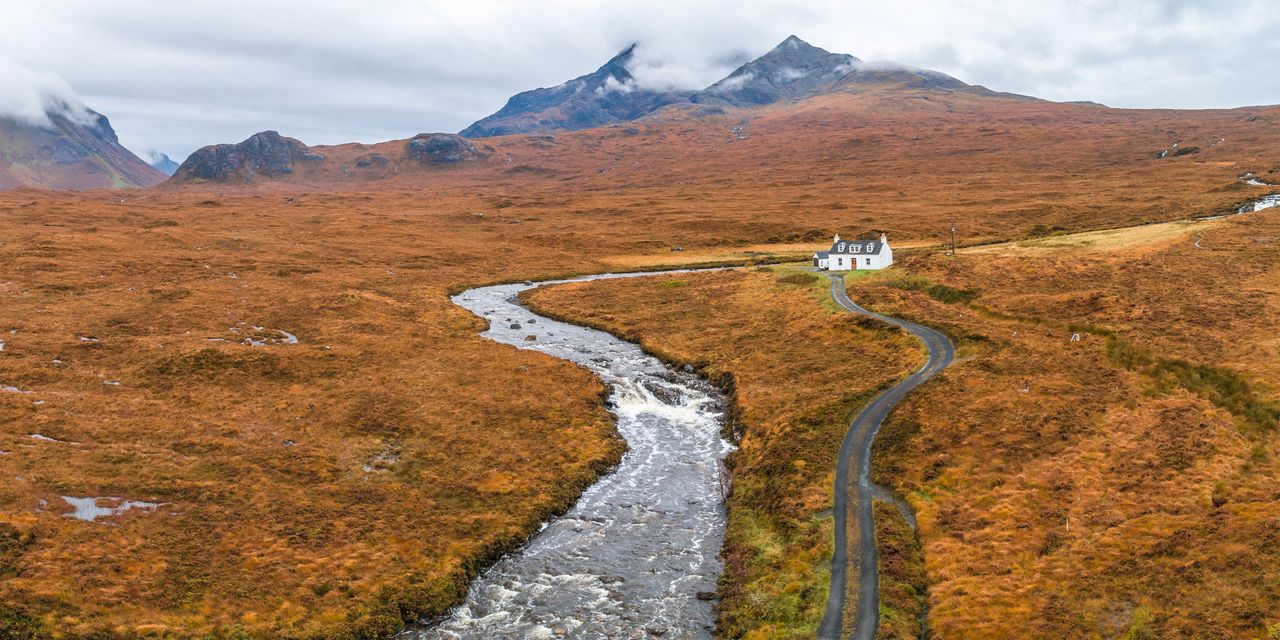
{"x": 30, "y": 96}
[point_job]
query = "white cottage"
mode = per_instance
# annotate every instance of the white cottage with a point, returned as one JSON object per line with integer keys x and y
{"x": 848, "y": 255}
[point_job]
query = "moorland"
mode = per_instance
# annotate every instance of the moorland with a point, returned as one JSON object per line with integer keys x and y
{"x": 344, "y": 483}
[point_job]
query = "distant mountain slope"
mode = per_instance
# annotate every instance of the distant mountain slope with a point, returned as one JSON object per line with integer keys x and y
{"x": 75, "y": 149}
{"x": 606, "y": 96}
{"x": 162, "y": 162}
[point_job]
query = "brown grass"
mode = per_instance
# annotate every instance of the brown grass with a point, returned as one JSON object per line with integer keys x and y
{"x": 272, "y": 527}
{"x": 1059, "y": 493}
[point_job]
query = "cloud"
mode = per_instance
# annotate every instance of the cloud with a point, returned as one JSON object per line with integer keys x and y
{"x": 175, "y": 76}
{"x": 611, "y": 85}
{"x": 735, "y": 82}
{"x": 670, "y": 69}
{"x": 30, "y": 96}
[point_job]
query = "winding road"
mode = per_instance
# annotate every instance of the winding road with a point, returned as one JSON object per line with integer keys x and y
{"x": 858, "y": 439}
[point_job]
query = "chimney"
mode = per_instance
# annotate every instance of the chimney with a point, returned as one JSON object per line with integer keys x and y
{"x": 837, "y": 238}
{"x": 884, "y": 238}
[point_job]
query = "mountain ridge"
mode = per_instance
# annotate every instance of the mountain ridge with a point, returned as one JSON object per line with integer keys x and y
{"x": 791, "y": 71}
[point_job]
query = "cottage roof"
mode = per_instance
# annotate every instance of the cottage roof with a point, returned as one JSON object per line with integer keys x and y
{"x": 821, "y": 254}
{"x": 857, "y": 247}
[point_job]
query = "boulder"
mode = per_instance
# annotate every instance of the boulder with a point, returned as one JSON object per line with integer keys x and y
{"x": 441, "y": 148}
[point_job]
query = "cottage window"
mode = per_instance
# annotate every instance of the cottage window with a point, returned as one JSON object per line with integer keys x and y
{"x": 868, "y": 262}
{"x": 857, "y": 248}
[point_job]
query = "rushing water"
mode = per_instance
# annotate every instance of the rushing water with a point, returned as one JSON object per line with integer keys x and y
{"x": 630, "y": 558}
{"x": 1265, "y": 202}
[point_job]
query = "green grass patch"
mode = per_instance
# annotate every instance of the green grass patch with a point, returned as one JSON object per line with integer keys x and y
{"x": 1140, "y": 628}
{"x": 1222, "y": 386}
{"x": 939, "y": 292}
{"x": 800, "y": 279}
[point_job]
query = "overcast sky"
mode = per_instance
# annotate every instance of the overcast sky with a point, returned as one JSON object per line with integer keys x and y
{"x": 175, "y": 76}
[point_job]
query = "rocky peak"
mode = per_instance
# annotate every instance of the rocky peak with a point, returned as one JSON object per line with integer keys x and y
{"x": 792, "y": 70}
{"x": 605, "y": 96}
{"x": 617, "y": 65}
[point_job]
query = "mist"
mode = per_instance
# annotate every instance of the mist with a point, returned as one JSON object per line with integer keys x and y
{"x": 30, "y": 96}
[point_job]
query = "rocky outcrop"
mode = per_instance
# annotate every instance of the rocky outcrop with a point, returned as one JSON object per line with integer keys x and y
{"x": 267, "y": 154}
{"x": 441, "y": 148}
{"x": 372, "y": 160}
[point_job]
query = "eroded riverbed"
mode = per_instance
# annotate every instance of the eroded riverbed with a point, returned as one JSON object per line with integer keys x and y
{"x": 631, "y": 557}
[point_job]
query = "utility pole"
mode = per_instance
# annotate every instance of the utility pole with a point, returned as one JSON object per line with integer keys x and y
{"x": 951, "y": 246}
{"x": 949, "y": 249}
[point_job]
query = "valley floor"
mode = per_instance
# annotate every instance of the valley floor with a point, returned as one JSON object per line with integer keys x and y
{"x": 252, "y": 411}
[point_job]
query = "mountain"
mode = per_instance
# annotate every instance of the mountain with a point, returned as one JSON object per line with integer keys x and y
{"x": 793, "y": 73}
{"x": 608, "y": 95}
{"x": 161, "y": 162}
{"x": 792, "y": 70}
{"x": 72, "y": 148}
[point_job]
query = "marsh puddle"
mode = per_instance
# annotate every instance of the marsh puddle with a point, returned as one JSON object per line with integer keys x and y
{"x": 90, "y": 509}
{"x": 630, "y": 559}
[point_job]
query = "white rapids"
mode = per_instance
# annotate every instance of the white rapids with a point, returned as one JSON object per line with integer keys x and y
{"x": 630, "y": 559}
{"x": 1265, "y": 202}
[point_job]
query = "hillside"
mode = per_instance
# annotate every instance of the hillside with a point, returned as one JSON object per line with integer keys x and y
{"x": 74, "y": 148}
{"x": 893, "y": 152}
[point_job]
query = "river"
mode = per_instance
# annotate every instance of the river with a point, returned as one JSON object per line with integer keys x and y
{"x": 630, "y": 559}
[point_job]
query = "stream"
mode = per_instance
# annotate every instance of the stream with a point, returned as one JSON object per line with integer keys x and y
{"x": 630, "y": 559}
